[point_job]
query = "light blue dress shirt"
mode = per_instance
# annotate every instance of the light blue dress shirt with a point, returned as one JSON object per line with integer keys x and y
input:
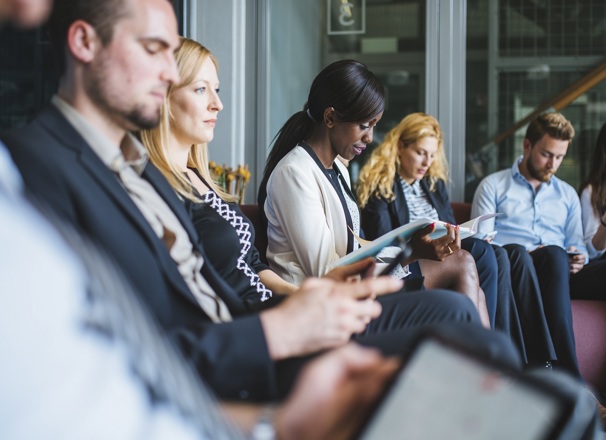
{"x": 550, "y": 216}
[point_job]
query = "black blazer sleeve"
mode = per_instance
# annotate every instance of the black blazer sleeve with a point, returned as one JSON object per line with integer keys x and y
{"x": 231, "y": 357}
{"x": 376, "y": 218}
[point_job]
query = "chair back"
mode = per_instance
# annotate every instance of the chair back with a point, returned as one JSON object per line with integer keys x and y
{"x": 254, "y": 215}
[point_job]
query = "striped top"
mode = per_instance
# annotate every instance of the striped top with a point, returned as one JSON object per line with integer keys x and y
{"x": 418, "y": 202}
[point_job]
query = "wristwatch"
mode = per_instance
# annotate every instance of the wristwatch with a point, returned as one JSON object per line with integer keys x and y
{"x": 264, "y": 427}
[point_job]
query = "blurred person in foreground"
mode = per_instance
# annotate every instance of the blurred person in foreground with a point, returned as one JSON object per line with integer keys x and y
{"x": 88, "y": 363}
{"x": 87, "y": 354}
{"x": 80, "y": 158}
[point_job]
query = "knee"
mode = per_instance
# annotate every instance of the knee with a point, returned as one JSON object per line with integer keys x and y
{"x": 554, "y": 252}
{"x": 452, "y": 302}
{"x": 501, "y": 257}
{"x": 462, "y": 258}
{"x": 482, "y": 253}
{"x": 515, "y": 249}
{"x": 518, "y": 253}
{"x": 476, "y": 247}
{"x": 552, "y": 256}
{"x": 468, "y": 263}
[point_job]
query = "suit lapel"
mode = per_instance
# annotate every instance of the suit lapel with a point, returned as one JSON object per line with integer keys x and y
{"x": 68, "y": 137}
{"x": 157, "y": 180}
{"x": 400, "y": 207}
{"x": 436, "y": 198}
{"x": 430, "y": 195}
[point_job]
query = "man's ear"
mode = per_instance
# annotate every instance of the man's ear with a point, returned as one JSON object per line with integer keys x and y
{"x": 329, "y": 117}
{"x": 82, "y": 41}
{"x": 527, "y": 147}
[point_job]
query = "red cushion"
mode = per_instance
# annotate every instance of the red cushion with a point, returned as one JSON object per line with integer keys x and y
{"x": 461, "y": 211}
{"x": 589, "y": 322}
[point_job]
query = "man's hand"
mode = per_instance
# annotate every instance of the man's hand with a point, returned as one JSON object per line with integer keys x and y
{"x": 576, "y": 261}
{"x": 424, "y": 247}
{"x": 323, "y": 314}
{"x": 334, "y": 394}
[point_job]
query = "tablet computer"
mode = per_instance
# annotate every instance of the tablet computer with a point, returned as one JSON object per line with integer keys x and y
{"x": 443, "y": 391}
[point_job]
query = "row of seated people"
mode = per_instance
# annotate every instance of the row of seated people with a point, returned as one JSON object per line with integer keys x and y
{"x": 589, "y": 315}
{"x": 161, "y": 223}
{"x": 521, "y": 283}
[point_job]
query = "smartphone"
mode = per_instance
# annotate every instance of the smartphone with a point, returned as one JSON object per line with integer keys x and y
{"x": 490, "y": 235}
{"x": 574, "y": 252}
{"x": 404, "y": 253}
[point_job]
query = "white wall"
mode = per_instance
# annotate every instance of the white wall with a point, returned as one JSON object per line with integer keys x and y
{"x": 269, "y": 52}
{"x": 220, "y": 25}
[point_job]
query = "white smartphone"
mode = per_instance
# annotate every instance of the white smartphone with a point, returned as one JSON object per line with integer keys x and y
{"x": 490, "y": 236}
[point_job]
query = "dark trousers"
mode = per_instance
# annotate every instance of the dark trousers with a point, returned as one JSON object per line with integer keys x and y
{"x": 451, "y": 314}
{"x": 507, "y": 319}
{"x": 541, "y": 289}
{"x": 528, "y": 302}
{"x": 408, "y": 314}
{"x": 486, "y": 264}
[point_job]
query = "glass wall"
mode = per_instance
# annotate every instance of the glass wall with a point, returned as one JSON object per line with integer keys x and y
{"x": 386, "y": 35}
{"x": 27, "y": 79}
{"x": 28, "y": 74}
{"x": 525, "y": 57}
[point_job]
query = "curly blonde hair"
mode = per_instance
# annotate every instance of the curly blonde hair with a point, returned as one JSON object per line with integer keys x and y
{"x": 190, "y": 56}
{"x": 378, "y": 174}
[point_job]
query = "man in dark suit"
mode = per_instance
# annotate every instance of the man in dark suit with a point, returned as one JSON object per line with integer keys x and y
{"x": 78, "y": 157}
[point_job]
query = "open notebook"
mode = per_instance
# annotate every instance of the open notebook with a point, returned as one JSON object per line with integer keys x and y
{"x": 373, "y": 248}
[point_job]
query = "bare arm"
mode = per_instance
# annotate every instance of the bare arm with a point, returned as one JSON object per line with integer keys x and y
{"x": 276, "y": 284}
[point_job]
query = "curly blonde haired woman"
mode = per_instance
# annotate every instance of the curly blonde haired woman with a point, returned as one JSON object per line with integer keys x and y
{"x": 405, "y": 179}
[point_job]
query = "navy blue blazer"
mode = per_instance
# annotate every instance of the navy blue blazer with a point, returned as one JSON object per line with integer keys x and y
{"x": 380, "y": 216}
{"x": 61, "y": 170}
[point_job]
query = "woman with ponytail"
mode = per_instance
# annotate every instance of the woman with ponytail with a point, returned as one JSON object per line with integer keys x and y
{"x": 312, "y": 214}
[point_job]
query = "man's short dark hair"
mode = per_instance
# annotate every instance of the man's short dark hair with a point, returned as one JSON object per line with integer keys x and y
{"x": 100, "y": 14}
{"x": 553, "y": 124}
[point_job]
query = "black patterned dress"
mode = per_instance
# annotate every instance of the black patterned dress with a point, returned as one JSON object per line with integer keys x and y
{"x": 228, "y": 236}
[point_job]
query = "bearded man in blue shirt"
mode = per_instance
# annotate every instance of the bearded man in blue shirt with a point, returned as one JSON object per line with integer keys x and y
{"x": 540, "y": 227}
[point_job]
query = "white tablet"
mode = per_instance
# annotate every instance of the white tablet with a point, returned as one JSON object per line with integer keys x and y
{"x": 443, "y": 392}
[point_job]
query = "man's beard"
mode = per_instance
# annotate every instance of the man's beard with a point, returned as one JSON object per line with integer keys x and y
{"x": 115, "y": 107}
{"x": 140, "y": 120}
{"x": 540, "y": 175}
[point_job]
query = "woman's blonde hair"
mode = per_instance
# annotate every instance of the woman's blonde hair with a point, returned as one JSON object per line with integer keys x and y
{"x": 190, "y": 56}
{"x": 378, "y": 174}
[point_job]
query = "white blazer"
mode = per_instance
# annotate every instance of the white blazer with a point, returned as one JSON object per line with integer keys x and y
{"x": 306, "y": 224}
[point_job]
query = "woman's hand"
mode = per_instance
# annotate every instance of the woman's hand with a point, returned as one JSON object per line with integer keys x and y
{"x": 424, "y": 247}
